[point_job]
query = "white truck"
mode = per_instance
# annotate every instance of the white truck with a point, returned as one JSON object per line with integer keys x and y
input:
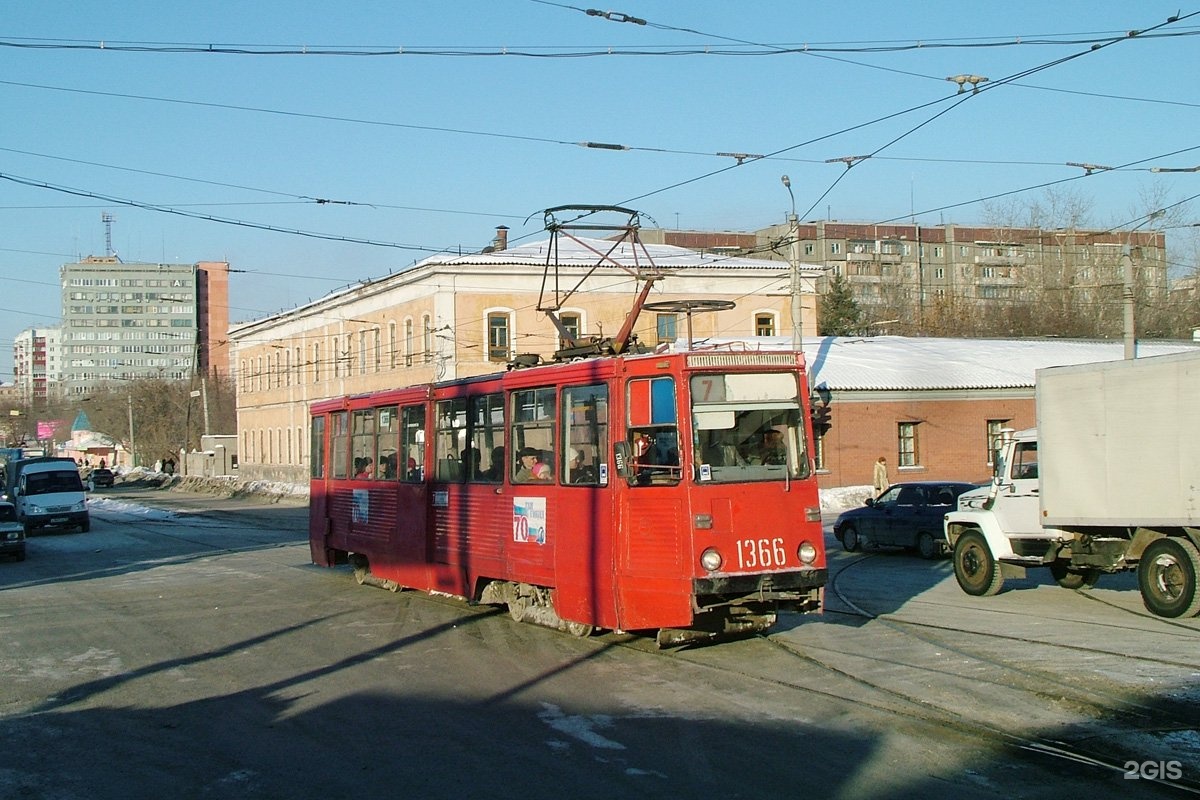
{"x": 1108, "y": 481}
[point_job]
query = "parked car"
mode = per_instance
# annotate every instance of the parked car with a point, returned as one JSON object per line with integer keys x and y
{"x": 101, "y": 476}
{"x": 12, "y": 532}
{"x": 906, "y": 515}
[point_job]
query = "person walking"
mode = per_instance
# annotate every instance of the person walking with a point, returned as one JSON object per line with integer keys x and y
{"x": 880, "y": 481}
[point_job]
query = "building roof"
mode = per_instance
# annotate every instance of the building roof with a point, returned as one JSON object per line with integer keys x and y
{"x": 898, "y": 363}
{"x": 585, "y": 252}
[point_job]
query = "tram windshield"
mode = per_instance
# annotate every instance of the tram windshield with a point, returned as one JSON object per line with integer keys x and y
{"x": 747, "y": 427}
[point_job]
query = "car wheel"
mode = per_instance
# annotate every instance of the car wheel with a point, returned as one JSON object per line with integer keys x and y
{"x": 975, "y": 568}
{"x": 1167, "y": 575}
{"x": 850, "y": 540}
{"x": 927, "y": 546}
{"x": 1074, "y": 578}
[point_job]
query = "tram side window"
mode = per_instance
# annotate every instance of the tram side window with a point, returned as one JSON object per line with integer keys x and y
{"x": 653, "y": 430}
{"x": 412, "y": 444}
{"x": 532, "y": 436}
{"x": 585, "y": 434}
{"x": 339, "y": 443}
{"x": 362, "y": 443}
{"x": 316, "y": 448}
{"x": 484, "y": 459}
{"x": 387, "y": 441}
{"x": 450, "y": 438}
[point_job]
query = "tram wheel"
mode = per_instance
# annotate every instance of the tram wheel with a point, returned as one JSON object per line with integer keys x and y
{"x": 580, "y": 630}
{"x": 519, "y": 605}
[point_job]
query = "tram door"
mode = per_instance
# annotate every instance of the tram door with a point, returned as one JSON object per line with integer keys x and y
{"x": 585, "y": 501}
{"x": 650, "y": 549}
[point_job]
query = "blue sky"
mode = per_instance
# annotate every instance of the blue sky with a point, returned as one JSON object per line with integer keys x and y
{"x": 436, "y": 139}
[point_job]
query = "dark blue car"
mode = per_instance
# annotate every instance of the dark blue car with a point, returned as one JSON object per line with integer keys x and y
{"x": 906, "y": 515}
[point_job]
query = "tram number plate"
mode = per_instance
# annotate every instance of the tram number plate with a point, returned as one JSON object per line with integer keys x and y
{"x": 761, "y": 553}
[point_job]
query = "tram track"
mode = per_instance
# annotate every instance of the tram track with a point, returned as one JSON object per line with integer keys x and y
{"x": 1123, "y": 712}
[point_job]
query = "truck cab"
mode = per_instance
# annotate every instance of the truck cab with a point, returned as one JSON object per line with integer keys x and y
{"x": 996, "y": 531}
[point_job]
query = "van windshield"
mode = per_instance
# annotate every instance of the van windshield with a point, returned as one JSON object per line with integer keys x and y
{"x": 66, "y": 480}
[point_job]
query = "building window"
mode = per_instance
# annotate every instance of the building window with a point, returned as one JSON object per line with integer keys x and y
{"x": 939, "y": 273}
{"x": 316, "y": 362}
{"x": 571, "y": 324}
{"x": 408, "y": 342}
{"x": 427, "y": 338}
{"x": 992, "y": 440}
{"x": 362, "y": 352}
{"x": 664, "y": 328}
{"x": 377, "y": 342}
{"x": 498, "y": 336}
{"x": 937, "y": 252}
{"x": 835, "y": 248}
{"x": 764, "y": 324}
{"x": 906, "y": 440}
{"x": 809, "y": 248}
{"x": 392, "y": 353}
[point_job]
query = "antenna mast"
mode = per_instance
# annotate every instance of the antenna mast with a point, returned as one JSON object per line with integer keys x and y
{"x": 107, "y": 219}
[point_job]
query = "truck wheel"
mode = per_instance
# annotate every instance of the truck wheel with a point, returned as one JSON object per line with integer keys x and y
{"x": 927, "y": 546}
{"x": 1167, "y": 577}
{"x": 1074, "y": 578}
{"x": 974, "y": 567}
{"x": 850, "y": 541}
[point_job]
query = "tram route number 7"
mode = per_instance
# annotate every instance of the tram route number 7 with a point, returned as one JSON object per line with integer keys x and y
{"x": 761, "y": 553}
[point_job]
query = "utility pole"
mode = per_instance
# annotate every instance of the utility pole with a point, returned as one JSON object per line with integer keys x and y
{"x": 1127, "y": 305}
{"x": 794, "y": 232}
{"x": 132, "y": 451}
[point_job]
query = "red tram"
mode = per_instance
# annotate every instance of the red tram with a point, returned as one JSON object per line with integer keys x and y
{"x": 663, "y": 492}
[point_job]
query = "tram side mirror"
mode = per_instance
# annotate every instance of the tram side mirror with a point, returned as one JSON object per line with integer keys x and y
{"x": 623, "y": 456}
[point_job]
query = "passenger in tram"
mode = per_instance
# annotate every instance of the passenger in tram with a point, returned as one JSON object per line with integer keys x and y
{"x": 364, "y": 468}
{"x": 414, "y": 471}
{"x": 495, "y": 470}
{"x": 471, "y": 461}
{"x": 387, "y": 466}
{"x": 531, "y": 469}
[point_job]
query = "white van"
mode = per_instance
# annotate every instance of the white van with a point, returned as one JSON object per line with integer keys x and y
{"x": 48, "y": 493}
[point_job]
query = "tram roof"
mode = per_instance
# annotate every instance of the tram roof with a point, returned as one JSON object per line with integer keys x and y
{"x": 899, "y": 363}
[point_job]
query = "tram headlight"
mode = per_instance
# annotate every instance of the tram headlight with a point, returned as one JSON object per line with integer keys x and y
{"x": 806, "y": 552}
{"x": 711, "y": 560}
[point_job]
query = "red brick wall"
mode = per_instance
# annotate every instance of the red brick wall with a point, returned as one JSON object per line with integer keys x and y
{"x": 951, "y": 436}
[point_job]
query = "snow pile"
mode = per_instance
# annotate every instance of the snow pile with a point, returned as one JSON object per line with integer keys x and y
{"x": 844, "y": 498}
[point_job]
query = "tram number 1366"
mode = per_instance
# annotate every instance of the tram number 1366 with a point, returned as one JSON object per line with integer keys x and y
{"x": 761, "y": 553}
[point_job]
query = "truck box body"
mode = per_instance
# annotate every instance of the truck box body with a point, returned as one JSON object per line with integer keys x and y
{"x": 1119, "y": 442}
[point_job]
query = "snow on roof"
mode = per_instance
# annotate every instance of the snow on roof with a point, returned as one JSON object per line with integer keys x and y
{"x": 878, "y": 363}
{"x": 584, "y": 252}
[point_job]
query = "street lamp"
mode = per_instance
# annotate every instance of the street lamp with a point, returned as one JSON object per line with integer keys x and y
{"x": 794, "y": 228}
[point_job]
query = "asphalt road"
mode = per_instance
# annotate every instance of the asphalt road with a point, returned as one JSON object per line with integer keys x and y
{"x": 201, "y": 655}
